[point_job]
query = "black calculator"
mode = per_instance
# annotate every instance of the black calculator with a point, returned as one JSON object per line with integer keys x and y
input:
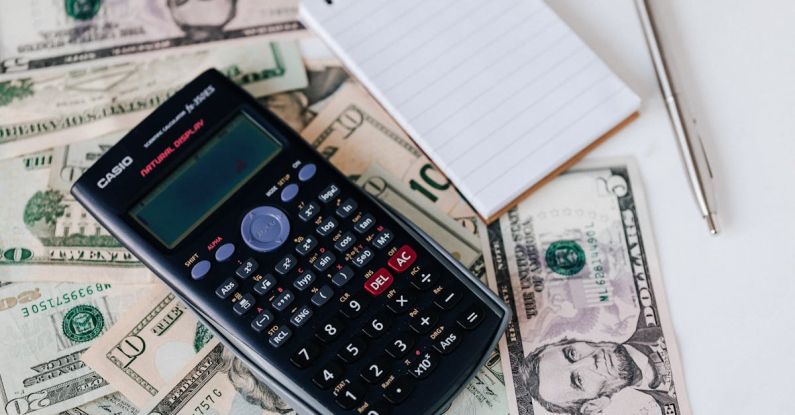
{"x": 337, "y": 303}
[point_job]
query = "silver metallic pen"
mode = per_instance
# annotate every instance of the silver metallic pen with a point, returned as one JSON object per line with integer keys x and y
{"x": 695, "y": 159}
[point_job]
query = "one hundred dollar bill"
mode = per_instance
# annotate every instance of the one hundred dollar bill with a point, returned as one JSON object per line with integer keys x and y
{"x": 45, "y": 234}
{"x": 591, "y": 332}
{"x": 47, "y": 110}
{"x": 352, "y": 131}
{"x": 47, "y": 34}
{"x": 46, "y": 327}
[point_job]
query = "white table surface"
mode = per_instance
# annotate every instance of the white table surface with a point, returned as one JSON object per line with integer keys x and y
{"x": 731, "y": 296}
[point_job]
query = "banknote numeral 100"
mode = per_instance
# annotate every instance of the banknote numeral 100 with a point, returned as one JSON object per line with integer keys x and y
{"x": 30, "y": 403}
{"x": 204, "y": 405}
{"x": 430, "y": 182}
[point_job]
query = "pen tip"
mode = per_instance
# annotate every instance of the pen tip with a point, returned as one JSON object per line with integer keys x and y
{"x": 712, "y": 223}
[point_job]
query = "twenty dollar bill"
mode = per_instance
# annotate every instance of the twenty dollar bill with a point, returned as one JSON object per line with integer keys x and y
{"x": 590, "y": 331}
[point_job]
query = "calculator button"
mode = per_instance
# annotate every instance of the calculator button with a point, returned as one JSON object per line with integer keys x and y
{"x": 200, "y": 269}
{"x": 264, "y": 285}
{"x": 400, "y": 303}
{"x": 364, "y": 224}
{"x": 328, "y": 194}
{"x": 424, "y": 321}
{"x": 377, "y": 326}
{"x": 376, "y": 370}
{"x": 378, "y": 408}
{"x": 247, "y": 268}
{"x": 289, "y": 192}
{"x": 424, "y": 280}
{"x": 300, "y": 317}
{"x": 329, "y": 331}
{"x": 379, "y": 282}
{"x": 303, "y": 357}
{"x": 470, "y": 318}
{"x": 306, "y": 246}
{"x": 304, "y": 280}
{"x": 224, "y": 252}
{"x": 226, "y": 289}
{"x": 400, "y": 345}
{"x": 283, "y": 300}
{"x": 345, "y": 242}
{"x": 399, "y": 390}
{"x": 363, "y": 257}
{"x": 286, "y": 264}
{"x": 383, "y": 238}
{"x": 350, "y": 394}
{"x": 307, "y": 172}
{"x": 244, "y": 304}
{"x": 265, "y": 228}
{"x": 328, "y": 376}
{"x": 402, "y": 259}
{"x": 281, "y": 336}
{"x": 322, "y": 296}
{"x": 354, "y": 307}
{"x": 261, "y": 321}
{"x": 309, "y": 211}
{"x": 342, "y": 276}
{"x": 447, "y": 298}
{"x": 353, "y": 350}
{"x": 424, "y": 364}
{"x": 327, "y": 226}
{"x": 347, "y": 208}
{"x": 447, "y": 342}
{"x": 325, "y": 260}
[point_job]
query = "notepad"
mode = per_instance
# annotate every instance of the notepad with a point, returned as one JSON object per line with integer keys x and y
{"x": 499, "y": 94}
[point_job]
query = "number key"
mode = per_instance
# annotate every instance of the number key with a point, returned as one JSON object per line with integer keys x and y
{"x": 377, "y": 326}
{"x": 376, "y": 370}
{"x": 304, "y": 356}
{"x": 401, "y": 344}
{"x": 350, "y": 394}
{"x": 330, "y": 331}
{"x": 328, "y": 376}
{"x": 353, "y": 350}
{"x": 354, "y": 307}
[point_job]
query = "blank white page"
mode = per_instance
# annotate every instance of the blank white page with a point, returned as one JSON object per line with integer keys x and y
{"x": 499, "y": 94}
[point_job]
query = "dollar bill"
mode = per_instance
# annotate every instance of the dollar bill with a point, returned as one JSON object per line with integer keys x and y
{"x": 591, "y": 332}
{"x": 353, "y": 132}
{"x": 54, "y": 109}
{"x": 46, "y": 327}
{"x": 149, "y": 348}
{"x": 54, "y": 34}
{"x": 46, "y": 234}
{"x": 112, "y": 404}
{"x": 216, "y": 382}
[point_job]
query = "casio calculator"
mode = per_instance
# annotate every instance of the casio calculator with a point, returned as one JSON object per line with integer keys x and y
{"x": 337, "y": 303}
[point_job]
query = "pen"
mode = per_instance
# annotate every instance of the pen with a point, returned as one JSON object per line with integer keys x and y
{"x": 693, "y": 154}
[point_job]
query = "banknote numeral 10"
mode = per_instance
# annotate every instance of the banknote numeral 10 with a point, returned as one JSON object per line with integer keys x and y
{"x": 430, "y": 182}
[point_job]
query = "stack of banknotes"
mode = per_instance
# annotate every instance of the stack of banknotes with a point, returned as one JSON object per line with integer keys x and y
{"x": 88, "y": 330}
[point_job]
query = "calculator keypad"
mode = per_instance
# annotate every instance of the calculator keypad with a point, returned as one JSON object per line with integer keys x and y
{"x": 349, "y": 303}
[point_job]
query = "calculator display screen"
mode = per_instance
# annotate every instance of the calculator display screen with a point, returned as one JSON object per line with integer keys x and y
{"x": 206, "y": 180}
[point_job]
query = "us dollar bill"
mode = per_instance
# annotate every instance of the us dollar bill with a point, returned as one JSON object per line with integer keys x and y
{"x": 216, "y": 382}
{"x": 41, "y": 111}
{"x": 353, "y": 132}
{"x": 45, "y": 234}
{"x": 591, "y": 332}
{"x": 48, "y": 34}
{"x": 46, "y": 327}
{"x": 112, "y": 404}
{"x": 149, "y": 348}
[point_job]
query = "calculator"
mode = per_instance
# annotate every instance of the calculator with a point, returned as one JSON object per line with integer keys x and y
{"x": 334, "y": 301}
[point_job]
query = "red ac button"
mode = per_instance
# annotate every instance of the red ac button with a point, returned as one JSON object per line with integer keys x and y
{"x": 379, "y": 282}
{"x": 402, "y": 259}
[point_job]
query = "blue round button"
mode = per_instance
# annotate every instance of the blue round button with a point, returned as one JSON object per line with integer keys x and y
{"x": 224, "y": 252}
{"x": 200, "y": 269}
{"x": 265, "y": 228}
{"x": 307, "y": 172}
{"x": 289, "y": 192}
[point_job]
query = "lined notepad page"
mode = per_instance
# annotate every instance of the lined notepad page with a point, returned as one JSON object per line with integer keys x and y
{"x": 498, "y": 93}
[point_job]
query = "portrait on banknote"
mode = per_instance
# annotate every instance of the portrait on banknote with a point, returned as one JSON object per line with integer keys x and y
{"x": 251, "y": 389}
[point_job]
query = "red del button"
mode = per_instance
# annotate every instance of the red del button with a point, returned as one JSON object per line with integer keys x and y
{"x": 378, "y": 282}
{"x": 402, "y": 259}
